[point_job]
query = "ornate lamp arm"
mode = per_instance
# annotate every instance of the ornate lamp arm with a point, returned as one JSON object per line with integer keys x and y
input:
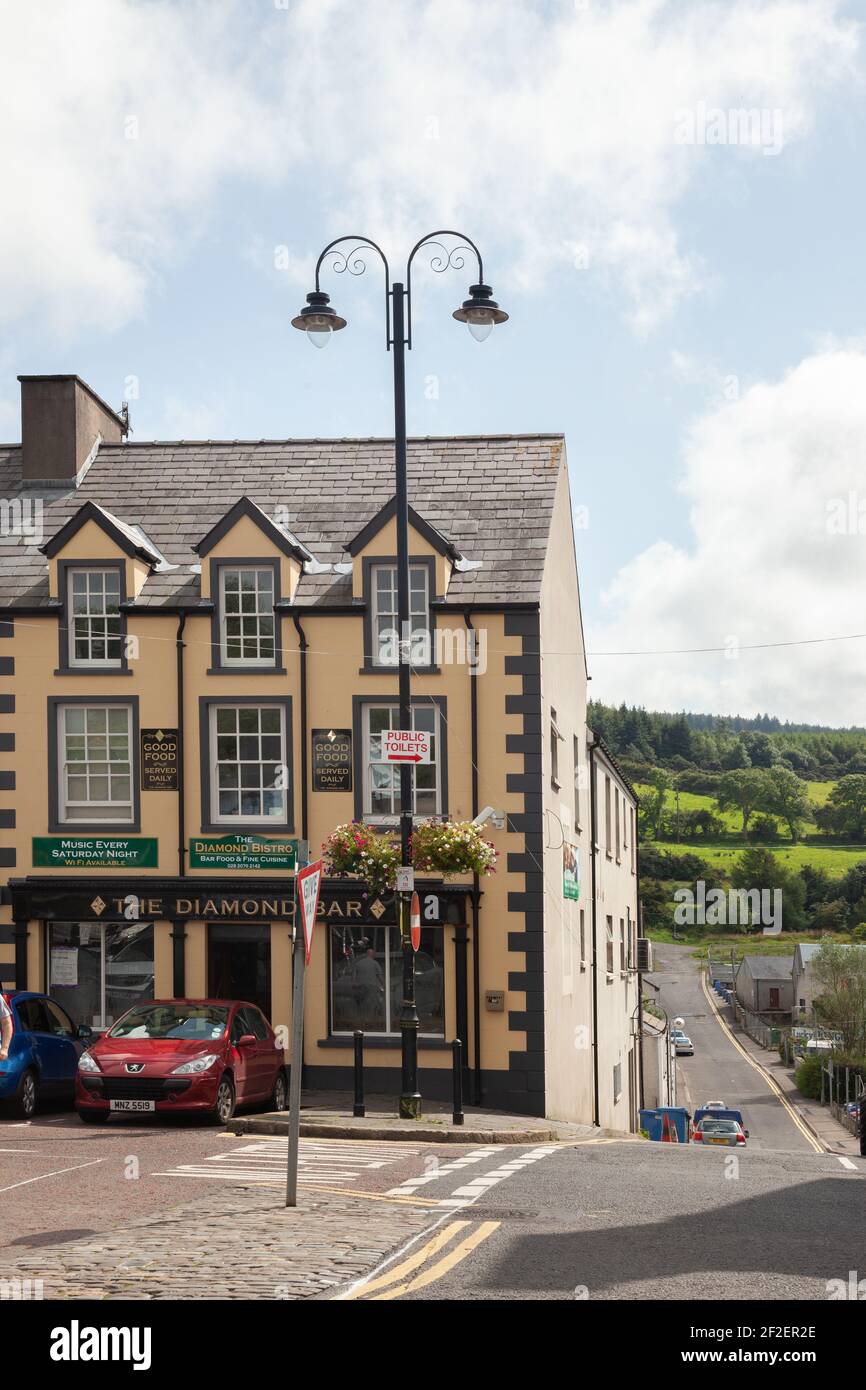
{"x": 447, "y": 259}
{"x": 354, "y": 262}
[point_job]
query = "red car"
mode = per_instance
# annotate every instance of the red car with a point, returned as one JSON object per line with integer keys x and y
{"x": 182, "y": 1056}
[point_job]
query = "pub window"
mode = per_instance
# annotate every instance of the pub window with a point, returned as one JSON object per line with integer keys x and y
{"x": 382, "y": 779}
{"x": 94, "y": 619}
{"x": 247, "y": 619}
{"x": 367, "y": 980}
{"x": 249, "y": 772}
{"x": 97, "y": 971}
{"x": 95, "y": 757}
{"x": 386, "y": 626}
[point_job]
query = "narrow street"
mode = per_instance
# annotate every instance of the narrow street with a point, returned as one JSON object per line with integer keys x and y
{"x": 621, "y": 1220}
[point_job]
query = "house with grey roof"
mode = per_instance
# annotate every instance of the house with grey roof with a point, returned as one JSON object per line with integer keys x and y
{"x": 764, "y": 985}
{"x": 197, "y": 671}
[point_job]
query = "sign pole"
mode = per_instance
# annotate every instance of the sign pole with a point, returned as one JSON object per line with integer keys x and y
{"x": 308, "y": 884}
{"x": 298, "y": 973}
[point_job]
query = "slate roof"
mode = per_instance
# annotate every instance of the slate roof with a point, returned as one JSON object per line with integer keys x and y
{"x": 492, "y": 496}
{"x": 768, "y": 967}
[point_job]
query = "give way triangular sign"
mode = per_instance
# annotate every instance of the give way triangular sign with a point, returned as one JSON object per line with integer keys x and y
{"x": 309, "y": 883}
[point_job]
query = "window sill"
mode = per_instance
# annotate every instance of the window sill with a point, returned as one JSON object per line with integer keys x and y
{"x": 112, "y": 831}
{"x": 246, "y": 828}
{"x": 93, "y": 671}
{"x": 610, "y": 977}
{"x": 380, "y": 1042}
{"x": 394, "y": 670}
{"x": 245, "y": 671}
{"x": 557, "y": 786}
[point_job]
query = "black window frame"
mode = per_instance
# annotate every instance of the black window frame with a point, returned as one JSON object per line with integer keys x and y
{"x": 118, "y": 829}
{"x": 218, "y": 667}
{"x": 359, "y": 702}
{"x": 65, "y": 667}
{"x": 244, "y": 827}
{"x": 368, "y": 564}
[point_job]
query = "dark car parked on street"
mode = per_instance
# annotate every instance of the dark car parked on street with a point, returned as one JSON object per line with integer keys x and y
{"x": 43, "y": 1055}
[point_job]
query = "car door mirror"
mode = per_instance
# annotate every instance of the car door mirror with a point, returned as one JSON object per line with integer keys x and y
{"x": 84, "y": 1032}
{"x": 746, "y": 1133}
{"x": 246, "y": 1040}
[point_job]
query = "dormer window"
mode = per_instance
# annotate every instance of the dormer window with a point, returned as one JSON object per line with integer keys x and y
{"x": 94, "y": 626}
{"x": 94, "y": 604}
{"x": 247, "y": 619}
{"x": 385, "y": 624}
{"x": 245, "y": 628}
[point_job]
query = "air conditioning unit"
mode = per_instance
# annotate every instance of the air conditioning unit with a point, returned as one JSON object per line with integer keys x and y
{"x": 643, "y": 962}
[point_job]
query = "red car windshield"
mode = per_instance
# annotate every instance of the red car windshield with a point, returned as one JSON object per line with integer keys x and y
{"x": 191, "y": 1022}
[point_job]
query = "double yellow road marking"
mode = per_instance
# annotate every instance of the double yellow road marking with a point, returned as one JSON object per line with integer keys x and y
{"x": 415, "y": 1272}
{"x": 773, "y": 1085}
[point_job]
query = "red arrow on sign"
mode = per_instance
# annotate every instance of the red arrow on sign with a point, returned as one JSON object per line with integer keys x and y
{"x": 404, "y": 757}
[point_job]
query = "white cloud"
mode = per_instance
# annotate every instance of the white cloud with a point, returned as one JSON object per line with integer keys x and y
{"x": 777, "y": 489}
{"x": 538, "y": 123}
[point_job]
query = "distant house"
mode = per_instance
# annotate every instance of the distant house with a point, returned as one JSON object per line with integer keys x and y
{"x": 765, "y": 985}
{"x": 805, "y": 991}
{"x": 804, "y": 979}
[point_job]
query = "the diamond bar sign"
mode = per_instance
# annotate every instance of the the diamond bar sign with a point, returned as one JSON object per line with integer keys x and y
{"x": 309, "y": 885}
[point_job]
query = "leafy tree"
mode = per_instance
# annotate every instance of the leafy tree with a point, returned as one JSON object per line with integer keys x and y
{"x": 840, "y": 972}
{"x": 787, "y": 798}
{"x": 759, "y": 868}
{"x": 845, "y": 809}
{"x": 734, "y": 756}
{"x": 816, "y": 883}
{"x": 701, "y": 823}
{"x": 655, "y": 904}
{"x": 652, "y": 802}
{"x": 742, "y": 791}
{"x": 761, "y": 749}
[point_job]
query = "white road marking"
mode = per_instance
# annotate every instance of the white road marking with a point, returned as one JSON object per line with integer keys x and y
{"x": 448, "y": 1205}
{"x": 56, "y": 1173}
{"x": 329, "y": 1162}
{"x": 846, "y": 1163}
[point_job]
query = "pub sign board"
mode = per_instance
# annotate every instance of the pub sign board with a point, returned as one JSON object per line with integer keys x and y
{"x": 159, "y": 760}
{"x": 78, "y": 852}
{"x": 259, "y": 852}
{"x": 332, "y": 760}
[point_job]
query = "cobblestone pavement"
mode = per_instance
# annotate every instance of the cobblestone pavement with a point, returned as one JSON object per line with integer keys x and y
{"x": 239, "y": 1245}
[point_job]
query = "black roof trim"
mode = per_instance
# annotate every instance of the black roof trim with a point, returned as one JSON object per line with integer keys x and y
{"x": 90, "y": 511}
{"x": 246, "y": 507}
{"x": 424, "y": 528}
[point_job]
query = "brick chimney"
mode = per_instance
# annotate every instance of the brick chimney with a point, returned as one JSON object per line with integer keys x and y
{"x": 62, "y": 423}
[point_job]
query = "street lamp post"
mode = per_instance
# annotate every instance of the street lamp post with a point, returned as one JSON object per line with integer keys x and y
{"x": 319, "y": 320}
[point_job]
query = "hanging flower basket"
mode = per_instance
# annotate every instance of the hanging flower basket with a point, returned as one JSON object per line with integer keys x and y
{"x": 452, "y": 847}
{"x": 363, "y": 852}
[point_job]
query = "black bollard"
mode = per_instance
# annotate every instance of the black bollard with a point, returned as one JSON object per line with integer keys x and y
{"x": 359, "y": 1108}
{"x": 457, "y": 1078}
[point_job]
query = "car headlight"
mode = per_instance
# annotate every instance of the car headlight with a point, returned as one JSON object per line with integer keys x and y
{"x": 87, "y": 1062}
{"x": 198, "y": 1064}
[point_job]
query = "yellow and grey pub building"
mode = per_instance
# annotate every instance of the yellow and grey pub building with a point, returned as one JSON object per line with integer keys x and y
{"x": 196, "y": 670}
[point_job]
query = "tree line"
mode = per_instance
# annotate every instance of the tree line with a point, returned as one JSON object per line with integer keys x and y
{"x": 713, "y": 744}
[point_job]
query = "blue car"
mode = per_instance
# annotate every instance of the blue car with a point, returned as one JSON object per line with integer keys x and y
{"x": 43, "y": 1054}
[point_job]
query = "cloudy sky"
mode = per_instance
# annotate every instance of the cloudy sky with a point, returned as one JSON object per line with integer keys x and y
{"x": 670, "y": 200}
